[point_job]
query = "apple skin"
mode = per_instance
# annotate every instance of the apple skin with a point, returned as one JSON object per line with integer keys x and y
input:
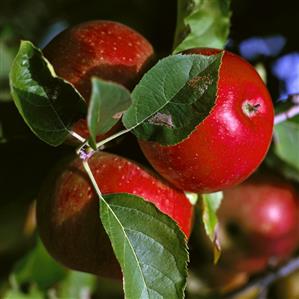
{"x": 67, "y": 209}
{"x": 230, "y": 143}
{"x": 258, "y": 227}
{"x": 105, "y": 49}
{"x": 259, "y": 223}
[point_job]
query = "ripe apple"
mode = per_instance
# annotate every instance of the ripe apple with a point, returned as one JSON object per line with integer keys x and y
{"x": 230, "y": 143}
{"x": 259, "y": 223}
{"x": 67, "y": 209}
{"x": 105, "y": 49}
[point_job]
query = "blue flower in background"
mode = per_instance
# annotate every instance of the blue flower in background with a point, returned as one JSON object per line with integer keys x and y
{"x": 254, "y": 47}
{"x": 286, "y": 69}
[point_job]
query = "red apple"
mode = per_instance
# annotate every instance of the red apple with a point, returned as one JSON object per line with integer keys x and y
{"x": 230, "y": 143}
{"x": 105, "y": 49}
{"x": 67, "y": 209}
{"x": 258, "y": 223}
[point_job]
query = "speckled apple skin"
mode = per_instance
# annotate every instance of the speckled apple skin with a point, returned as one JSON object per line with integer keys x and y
{"x": 228, "y": 145}
{"x": 105, "y": 49}
{"x": 109, "y": 50}
{"x": 68, "y": 211}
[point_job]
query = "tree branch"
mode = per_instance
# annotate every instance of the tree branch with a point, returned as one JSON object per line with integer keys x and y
{"x": 281, "y": 117}
{"x": 263, "y": 281}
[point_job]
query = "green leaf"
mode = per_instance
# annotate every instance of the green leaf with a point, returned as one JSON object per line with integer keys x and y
{"x": 39, "y": 268}
{"x": 7, "y": 52}
{"x": 107, "y": 104}
{"x": 286, "y": 141}
{"x": 6, "y": 58}
{"x": 77, "y": 283}
{"x": 173, "y": 98}
{"x": 274, "y": 162}
{"x": 192, "y": 197}
{"x": 34, "y": 293}
{"x": 149, "y": 246}
{"x": 48, "y": 104}
{"x": 211, "y": 202}
{"x": 202, "y": 23}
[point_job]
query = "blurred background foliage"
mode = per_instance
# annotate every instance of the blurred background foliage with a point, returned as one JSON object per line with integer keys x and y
{"x": 261, "y": 31}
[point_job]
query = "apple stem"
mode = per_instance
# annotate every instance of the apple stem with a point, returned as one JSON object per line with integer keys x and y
{"x": 263, "y": 281}
{"x": 77, "y": 136}
{"x": 101, "y": 143}
{"x": 281, "y": 117}
{"x": 92, "y": 179}
{"x": 85, "y": 151}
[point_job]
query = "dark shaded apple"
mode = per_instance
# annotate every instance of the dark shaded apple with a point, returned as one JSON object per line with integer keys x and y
{"x": 68, "y": 209}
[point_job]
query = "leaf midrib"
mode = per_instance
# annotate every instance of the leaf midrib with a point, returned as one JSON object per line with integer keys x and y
{"x": 128, "y": 241}
{"x": 167, "y": 102}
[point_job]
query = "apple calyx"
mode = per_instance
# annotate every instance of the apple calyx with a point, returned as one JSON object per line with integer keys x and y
{"x": 250, "y": 109}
